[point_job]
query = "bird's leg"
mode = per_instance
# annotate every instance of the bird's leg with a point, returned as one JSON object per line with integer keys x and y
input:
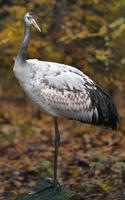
{"x": 57, "y": 143}
{"x": 55, "y": 184}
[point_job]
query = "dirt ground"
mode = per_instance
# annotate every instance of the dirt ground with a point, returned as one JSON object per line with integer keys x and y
{"x": 91, "y": 159}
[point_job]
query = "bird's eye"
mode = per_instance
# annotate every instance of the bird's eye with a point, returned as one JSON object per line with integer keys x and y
{"x": 28, "y": 17}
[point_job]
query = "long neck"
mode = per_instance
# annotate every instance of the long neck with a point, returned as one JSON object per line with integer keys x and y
{"x": 22, "y": 55}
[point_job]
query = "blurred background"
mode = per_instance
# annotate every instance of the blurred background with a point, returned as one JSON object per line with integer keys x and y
{"x": 90, "y": 35}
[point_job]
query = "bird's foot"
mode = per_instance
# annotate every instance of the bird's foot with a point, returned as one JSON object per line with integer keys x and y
{"x": 52, "y": 185}
{"x": 56, "y": 186}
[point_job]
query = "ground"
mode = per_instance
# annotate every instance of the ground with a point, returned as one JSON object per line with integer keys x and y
{"x": 91, "y": 159}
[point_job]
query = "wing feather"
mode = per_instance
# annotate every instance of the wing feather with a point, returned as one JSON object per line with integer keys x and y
{"x": 69, "y": 92}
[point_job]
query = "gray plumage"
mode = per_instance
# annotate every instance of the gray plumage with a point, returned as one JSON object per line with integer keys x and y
{"x": 63, "y": 90}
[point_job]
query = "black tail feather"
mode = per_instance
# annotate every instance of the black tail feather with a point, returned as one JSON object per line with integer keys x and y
{"x": 107, "y": 112}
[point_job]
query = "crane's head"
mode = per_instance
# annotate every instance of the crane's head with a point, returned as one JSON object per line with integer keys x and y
{"x": 29, "y": 20}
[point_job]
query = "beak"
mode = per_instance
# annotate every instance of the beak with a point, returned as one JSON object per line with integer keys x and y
{"x": 35, "y": 25}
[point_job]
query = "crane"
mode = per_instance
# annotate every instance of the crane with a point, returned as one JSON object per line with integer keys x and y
{"x": 62, "y": 90}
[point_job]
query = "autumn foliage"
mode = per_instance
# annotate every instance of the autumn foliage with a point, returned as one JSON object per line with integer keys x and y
{"x": 90, "y": 35}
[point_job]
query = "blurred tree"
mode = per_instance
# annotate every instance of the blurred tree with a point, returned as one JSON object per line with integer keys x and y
{"x": 85, "y": 33}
